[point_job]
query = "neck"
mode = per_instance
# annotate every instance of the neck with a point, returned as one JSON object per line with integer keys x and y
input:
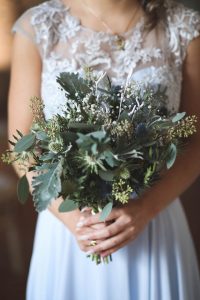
{"x": 111, "y": 5}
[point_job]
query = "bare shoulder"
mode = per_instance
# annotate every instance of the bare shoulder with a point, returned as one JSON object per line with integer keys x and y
{"x": 193, "y": 50}
{"x": 183, "y": 20}
{"x": 25, "y": 83}
{"x": 190, "y": 101}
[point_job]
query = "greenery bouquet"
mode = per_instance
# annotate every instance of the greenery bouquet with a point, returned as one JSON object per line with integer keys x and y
{"x": 107, "y": 145}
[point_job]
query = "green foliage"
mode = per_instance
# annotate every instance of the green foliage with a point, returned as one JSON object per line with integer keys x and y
{"x": 106, "y": 211}
{"x": 108, "y": 142}
{"x": 149, "y": 173}
{"x": 172, "y": 153}
{"x": 178, "y": 117}
{"x": 121, "y": 191}
{"x": 25, "y": 143}
{"x": 47, "y": 156}
{"x": 73, "y": 84}
{"x": 47, "y": 184}
{"x": 107, "y": 175}
{"x": 67, "y": 205}
{"x": 23, "y": 189}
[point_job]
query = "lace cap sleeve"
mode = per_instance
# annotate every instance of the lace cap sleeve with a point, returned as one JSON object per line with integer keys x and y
{"x": 41, "y": 25}
{"x": 24, "y": 25}
{"x": 184, "y": 25}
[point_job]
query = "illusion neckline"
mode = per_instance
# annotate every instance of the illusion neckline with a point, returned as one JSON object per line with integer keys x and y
{"x": 139, "y": 25}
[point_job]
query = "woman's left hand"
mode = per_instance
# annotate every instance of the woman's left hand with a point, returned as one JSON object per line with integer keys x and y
{"x": 125, "y": 223}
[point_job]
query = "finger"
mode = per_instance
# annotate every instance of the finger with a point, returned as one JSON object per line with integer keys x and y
{"x": 85, "y": 212}
{"x": 86, "y": 245}
{"x": 95, "y": 219}
{"x": 106, "y": 232}
{"x": 84, "y": 209}
{"x": 113, "y": 242}
{"x": 114, "y": 249}
{"x": 90, "y": 229}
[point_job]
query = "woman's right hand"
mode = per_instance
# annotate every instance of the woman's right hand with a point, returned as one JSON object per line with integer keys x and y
{"x": 71, "y": 219}
{"x": 80, "y": 232}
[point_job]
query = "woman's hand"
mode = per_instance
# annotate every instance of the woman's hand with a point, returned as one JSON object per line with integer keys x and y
{"x": 125, "y": 224}
{"x": 85, "y": 245}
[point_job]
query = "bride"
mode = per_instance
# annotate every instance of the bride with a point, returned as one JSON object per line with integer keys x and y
{"x": 158, "y": 41}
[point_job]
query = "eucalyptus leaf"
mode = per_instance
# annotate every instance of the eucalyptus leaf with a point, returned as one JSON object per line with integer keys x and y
{"x": 106, "y": 175}
{"x": 106, "y": 211}
{"x": 172, "y": 156}
{"x": 99, "y": 135}
{"x": 67, "y": 205}
{"x": 25, "y": 143}
{"x": 47, "y": 185}
{"x": 110, "y": 158}
{"x": 47, "y": 156}
{"x": 23, "y": 189}
{"x": 178, "y": 117}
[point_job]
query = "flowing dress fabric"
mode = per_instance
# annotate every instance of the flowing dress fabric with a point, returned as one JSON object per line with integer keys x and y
{"x": 161, "y": 263}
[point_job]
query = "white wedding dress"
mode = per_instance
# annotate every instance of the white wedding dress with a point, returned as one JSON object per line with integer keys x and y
{"x": 161, "y": 263}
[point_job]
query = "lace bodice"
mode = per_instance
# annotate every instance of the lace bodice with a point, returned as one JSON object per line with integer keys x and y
{"x": 65, "y": 44}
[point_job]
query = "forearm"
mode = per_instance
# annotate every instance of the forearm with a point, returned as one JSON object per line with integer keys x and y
{"x": 175, "y": 181}
{"x": 69, "y": 219}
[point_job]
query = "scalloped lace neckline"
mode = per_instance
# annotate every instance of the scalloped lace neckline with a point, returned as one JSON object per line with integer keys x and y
{"x": 138, "y": 26}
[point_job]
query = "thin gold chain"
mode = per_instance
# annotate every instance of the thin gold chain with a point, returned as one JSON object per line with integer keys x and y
{"x": 109, "y": 29}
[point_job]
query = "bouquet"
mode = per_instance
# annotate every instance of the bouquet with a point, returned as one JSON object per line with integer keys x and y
{"x": 107, "y": 145}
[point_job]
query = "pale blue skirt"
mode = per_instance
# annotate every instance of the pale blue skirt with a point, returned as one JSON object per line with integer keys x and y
{"x": 160, "y": 264}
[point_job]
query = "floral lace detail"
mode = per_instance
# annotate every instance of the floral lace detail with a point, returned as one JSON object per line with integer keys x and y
{"x": 65, "y": 44}
{"x": 184, "y": 26}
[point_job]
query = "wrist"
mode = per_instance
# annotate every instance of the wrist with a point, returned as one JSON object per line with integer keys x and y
{"x": 69, "y": 219}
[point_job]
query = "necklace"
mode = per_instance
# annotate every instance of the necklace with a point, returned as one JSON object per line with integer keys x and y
{"x": 120, "y": 40}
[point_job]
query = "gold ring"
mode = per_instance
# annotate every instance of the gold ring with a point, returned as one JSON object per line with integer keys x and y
{"x": 93, "y": 243}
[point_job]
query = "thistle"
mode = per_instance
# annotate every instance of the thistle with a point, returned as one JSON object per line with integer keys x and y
{"x": 90, "y": 163}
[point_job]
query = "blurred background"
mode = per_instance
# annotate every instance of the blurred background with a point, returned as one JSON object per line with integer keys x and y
{"x": 17, "y": 222}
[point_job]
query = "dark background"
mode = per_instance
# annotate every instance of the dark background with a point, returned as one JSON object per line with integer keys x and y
{"x": 17, "y": 223}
